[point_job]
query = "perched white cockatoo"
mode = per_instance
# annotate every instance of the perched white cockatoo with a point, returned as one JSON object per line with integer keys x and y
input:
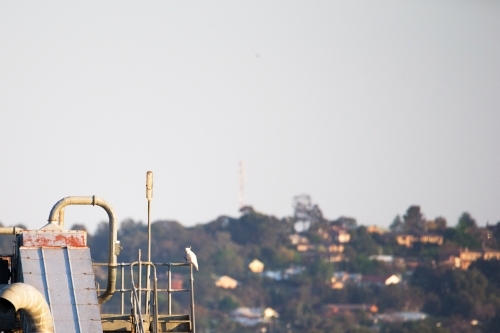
{"x": 191, "y": 257}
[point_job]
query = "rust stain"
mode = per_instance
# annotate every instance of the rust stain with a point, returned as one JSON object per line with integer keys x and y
{"x": 71, "y": 240}
{"x": 54, "y": 240}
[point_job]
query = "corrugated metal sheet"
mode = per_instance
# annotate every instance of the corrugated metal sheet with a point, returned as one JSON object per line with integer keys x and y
{"x": 66, "y": 278}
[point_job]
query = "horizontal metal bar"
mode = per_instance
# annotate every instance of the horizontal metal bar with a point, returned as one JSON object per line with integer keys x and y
{"x": 144, "y": 263}
{"x": 124, "y": 290}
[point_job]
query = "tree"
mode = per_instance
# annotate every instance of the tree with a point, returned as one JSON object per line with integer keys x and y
{"x": 259, "y": 229}
{"x": 362, "y": 241}
{"x": 414, "y": 220}
{"x": 345, "y": 222}
{"x": 306, "y": 212}
{"x": 489, "y": 268}
{"x": 79, "y": 226}
{"x": 466, "y": 222}
{"x": 397, "y": 224}
{"x": 440, "y": 223}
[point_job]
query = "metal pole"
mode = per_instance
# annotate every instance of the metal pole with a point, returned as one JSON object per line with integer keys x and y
{"x": 192, "y": 299}
{"x": 149, "y": 196}
{"x": 169, "y": 289}
{"x": 139, "y": 286}
{"x": 123, "y": 293}
{"x": 155, "y": 300}
{"x": 148, "y": 277}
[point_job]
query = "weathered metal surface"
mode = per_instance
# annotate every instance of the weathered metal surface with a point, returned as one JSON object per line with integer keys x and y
{"x": 47, "y": 238}
{"x": 66, "y": 278}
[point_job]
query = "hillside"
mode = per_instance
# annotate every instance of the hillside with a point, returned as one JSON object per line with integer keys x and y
{"x": 334, "y": 276}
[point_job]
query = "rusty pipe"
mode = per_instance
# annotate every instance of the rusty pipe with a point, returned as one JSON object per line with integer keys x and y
{"x": 57, "y": 217}
{"x": 25, "y": 297}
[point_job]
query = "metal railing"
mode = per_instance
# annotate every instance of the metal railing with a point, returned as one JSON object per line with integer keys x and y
{"x": 136, "y": 291}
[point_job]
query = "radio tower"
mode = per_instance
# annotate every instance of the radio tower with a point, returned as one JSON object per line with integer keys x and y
{"x": 242, "y": 185}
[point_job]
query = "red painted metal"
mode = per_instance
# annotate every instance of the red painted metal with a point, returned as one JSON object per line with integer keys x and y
{"x": 42, "y": 238}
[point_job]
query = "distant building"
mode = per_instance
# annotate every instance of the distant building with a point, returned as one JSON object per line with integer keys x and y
{"x": 340, "y": 234}
{"x": 396, "y": 317}
{"x": 274, "y": 275}
{"x": 467, "y": 257}
{"x": 408, "y": 240}
{"x": 270, "y": 313}
{"x": 451, "y": 260}
{"x": 336, "y": 248}
{"x": 336, "y": 257}
{"x": 384, "y": 258}
{"x": 489, "y": 254}
{"x": 226, "y": 282}
{"x": 279, "y": 275}
{"x": 298, "y": 239}
{"x": 335, "y": 309}
{"x": 339, "y": 279}
{"x": 305, "y": 247}
{"x": 253, "y": 316}
{"x": 431, "y": 239}
{"x": 337, "y": 284}
{"x": 256, "y": 266}
{"x": 380, "y": 280}
{"x": 463, "y": 258}
{"x": 373, "y": 229}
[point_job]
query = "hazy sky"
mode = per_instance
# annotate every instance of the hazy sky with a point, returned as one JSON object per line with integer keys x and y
{"x": 367, "y": 106}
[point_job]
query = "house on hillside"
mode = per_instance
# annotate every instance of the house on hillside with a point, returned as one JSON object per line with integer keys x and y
{"x": 226, "y": 282}
{"x": 253, "y": 316}
{"x": 256, "y": 266}
{"x": 340, "y": 234}
{"x": 274, "y": 275}
{"x": 296, "y": 239}
{"x": 336, "y": 309}
{"x": 384, "y": 258}
{"x": 335, "y": 253}
{"x": 304, "y": 247}
{"x": 294, "y": 270}
{"x": 490, "y": 254}
{"x": 408, "y": 240}
{"x": 463, "y": 258}
{"x": 373, "y": 229}
{"x": 340, "y": 279}
{"x": 450, "y": 260}
{"x": 374, "y": 280}
{"x": 336, "y": 248}
{"x": 431, "y": 239}
{"x": 279, "y": 275}
{"x": 336, "y": 257}
{"x": 397, "y": 317}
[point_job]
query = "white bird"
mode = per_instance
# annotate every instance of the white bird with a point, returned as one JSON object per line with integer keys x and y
{"x": 191, "y": 257}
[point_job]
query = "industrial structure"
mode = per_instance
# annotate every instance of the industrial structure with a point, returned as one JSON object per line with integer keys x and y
{"x": 48, "y": 284}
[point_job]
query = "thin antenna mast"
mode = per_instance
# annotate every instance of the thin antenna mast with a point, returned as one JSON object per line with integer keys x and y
{"x": 242, "y": 185}
{"x": 149, "y": 196}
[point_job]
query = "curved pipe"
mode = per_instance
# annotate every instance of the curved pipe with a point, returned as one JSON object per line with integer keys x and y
{"x": 54, "y": 218}
{"x": 25, "y": 297}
